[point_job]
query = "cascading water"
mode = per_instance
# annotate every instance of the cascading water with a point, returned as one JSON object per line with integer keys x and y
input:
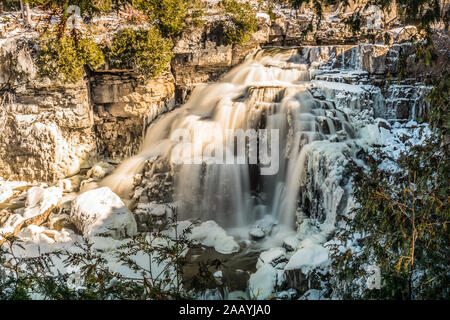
{"x": 272, "y": 91}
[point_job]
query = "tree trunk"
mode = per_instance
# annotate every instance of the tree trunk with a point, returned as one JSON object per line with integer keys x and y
{"x": 22, "y": 10}
{"x": 28, "y": 17}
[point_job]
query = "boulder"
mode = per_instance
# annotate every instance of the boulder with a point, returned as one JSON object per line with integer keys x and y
{"x": 272, "y": 256}
{"x": 11, "y": 227}
{"x": 39, "y": 203}
{"x": 60, "y": 221}
{"x": 152, "y": 214}
{"x": 262, "y": 228}
{"x": 210, "y": 234}
{"x": 262, "y": 283}
{"x": 101, "y": 212}
{"x": 304, "y": 269}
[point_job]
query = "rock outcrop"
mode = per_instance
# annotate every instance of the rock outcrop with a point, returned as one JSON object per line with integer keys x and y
{"x": 124, "y": 107}
{"x": 39, "y": 204}
{"x": 101, "y": 213}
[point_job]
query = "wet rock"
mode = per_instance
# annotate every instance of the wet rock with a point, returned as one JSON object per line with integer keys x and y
{"x": 406, "y": 102}
{"x": 155, "y": 183}
{"x": 60, "y": 221}
{"x": 257, "y": 233}
{"x": 88, "y": 184}
{"x": 152, "y": 215}
{"x": 404, "y": 138}
{"x": 373, "y": 58}
{"x": 302, "y": 282}
{"x": 75, "y": 182}
{"x": 384, "y": 124}
{"x": 303, "y": 271}
{"x": 403, "y": 110}
{"x": 124, "y": 107}
{"x": 65, "y": 185}
{"x": 11, "y": 227}
{"x": 290, "y": 294}
{"x": 262, "y": 228}
{"x": 100, "y": 170}
{"x": 4, "y": 215}
{"x": 101, "y": 213}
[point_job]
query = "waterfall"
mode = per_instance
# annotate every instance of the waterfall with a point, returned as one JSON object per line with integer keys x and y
{"x": 269, "y": 91}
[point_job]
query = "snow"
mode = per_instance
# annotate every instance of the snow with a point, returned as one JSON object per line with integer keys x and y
{"x": 8, "y": 188}
{"x": 13, "y": 222}
{"x": 155, "y": 209}
{"x": 101, "y": 212}
{"x": 355, "y": 89}
{"x": 308, "y": 257}
{"x": 271, "y": 256}
{"x": 41, "y": 200}
{"x": 372, "y": 134}
{"x": 395, "y": 141}
{"x": 36, "y": 233}
{"x": 312, "y": 294}
{"x": 6, "y": 193}
{"x": 264, "y": 16}
{"x": 262, "y": 283}
{"x": 210, "y": 234}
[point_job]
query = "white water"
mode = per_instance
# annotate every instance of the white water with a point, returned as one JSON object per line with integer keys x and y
{"x": 268, "y": 91}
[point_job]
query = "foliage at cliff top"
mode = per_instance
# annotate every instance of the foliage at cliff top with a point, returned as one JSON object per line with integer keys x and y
{"x": 89, "y": 7}
{"x": 65, "y": 56}
{"x": 144, "y": 50}
{"x": 243, "y": 21}
{"x": 170, "y": 16}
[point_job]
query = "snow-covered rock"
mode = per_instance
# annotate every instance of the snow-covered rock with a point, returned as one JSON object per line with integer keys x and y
{"x": 272, "y": 256}
{"x": 5, "y": 193}
{"x": 40, "y": 202}
{"x": 101, "y": 212}
{"x": 152, "y": 213}
{"x": 262, "y": 227}
{"x": 37, "y": 233}
{"x": 210, "y": 234}
{"x": 308, "y": 257}
{"x": 12, "y": 225}
{"x": 262, "y": 283}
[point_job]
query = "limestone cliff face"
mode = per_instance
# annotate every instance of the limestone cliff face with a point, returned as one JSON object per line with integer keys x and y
{"x": 46, "y": 127}
{"x": 50, "y": 131}
{"x": 123, "y": 107}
